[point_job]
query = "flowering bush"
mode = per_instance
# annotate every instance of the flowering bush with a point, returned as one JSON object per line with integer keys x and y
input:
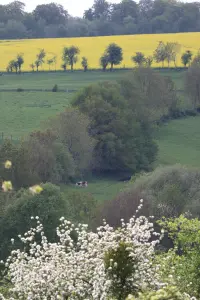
{"x": 85, "y": 265}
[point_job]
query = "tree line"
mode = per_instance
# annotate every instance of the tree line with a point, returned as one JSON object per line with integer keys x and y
{"x": 102, "y": 19}
{"x": 113, "y": 55}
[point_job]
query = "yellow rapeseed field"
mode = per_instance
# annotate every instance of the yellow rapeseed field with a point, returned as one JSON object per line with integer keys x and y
{"x": 93, "y": 47}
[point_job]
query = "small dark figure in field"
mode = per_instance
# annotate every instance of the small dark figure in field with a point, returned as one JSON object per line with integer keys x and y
{"x": 82, "y": 184}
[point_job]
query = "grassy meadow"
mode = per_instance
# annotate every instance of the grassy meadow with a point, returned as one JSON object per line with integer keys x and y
{"x": 179, "y": 142}
{"x": 93, "y": 48}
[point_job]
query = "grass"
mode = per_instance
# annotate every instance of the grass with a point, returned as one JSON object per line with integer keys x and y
{"x": 68, "y": 80}
{"x": 24, "y": 112}
{"x": 102, "y": 188}
{"x": 179, "y": 142}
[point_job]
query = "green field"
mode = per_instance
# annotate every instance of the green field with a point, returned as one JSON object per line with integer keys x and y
{"x": 102, "y": 188}
{"x": 179, "y": 142}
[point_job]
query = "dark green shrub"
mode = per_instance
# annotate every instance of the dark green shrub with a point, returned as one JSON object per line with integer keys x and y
{"x": 20, "y": 90}
{"x": 55, "y": 88}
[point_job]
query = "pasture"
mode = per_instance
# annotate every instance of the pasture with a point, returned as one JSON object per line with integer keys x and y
{"x": 93, "y": 48}
{"x": 179, "y": 142}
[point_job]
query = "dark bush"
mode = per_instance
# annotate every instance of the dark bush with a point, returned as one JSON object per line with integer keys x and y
{"x": 55, "y": 88}
{"x": 20, "y": 90}
{"x": 191, "y": 112}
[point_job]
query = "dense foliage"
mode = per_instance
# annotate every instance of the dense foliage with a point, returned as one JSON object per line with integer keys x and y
{"x": 123, "y": 137}
{"x": 103, "y": 18}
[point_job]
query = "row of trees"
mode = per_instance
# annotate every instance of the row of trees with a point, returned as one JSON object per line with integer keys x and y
{"x": 113, "y": 55}
{"x": 103, "y": 18}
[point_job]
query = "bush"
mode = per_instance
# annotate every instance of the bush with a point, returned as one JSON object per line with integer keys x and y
{"x": 167, "y": 191}
{"x": 95, "y": 265}
{"x": 80, "y": 207}
{"x": 49, "y": 206}
{"x": 55, "y": 88}
{"x": 20, "y": 90}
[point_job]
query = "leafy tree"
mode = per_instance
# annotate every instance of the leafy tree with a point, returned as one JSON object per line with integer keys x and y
{"x": 172, "y": 49}
{"x": 160, "y": 53}
{"x": 115, "y": 55}
{"x": 20, "y": 61}
{"x": 51, "y": 13}
{"x": 32, "y": 66}
{"x": 16, "y": 66}
{"x": 185, "y": 258}
{"x": 40, "y": 58}
{"x": 64, "y": 66}
{"x": 11, "y": 65}
{"x": 192, "y": 83}
{"x": 186, "y": 58}
{"x": 47, "y": 159}
{"x": 80, "y": 207}
{"x": 196, "y": 60}
{"x": 104, "y": 61}
{"x": 70, "y": 55}
{"x": 138, "y": 58}
{"x": 149, "y": 60}
{"x": 71, "y": 127}
{"x": 37, "y": 64}
{"x": 84, "y": 63}
{"x": 117, "y": 133}
{"x": 54, "y": 59}
{"x": 151, "y": 94}
{"x": 50, "y": 62}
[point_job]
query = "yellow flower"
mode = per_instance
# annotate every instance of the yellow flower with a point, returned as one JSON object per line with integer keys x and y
{"x": 36, "y": 189}
{"x": 7, "y": 186}
{"x": 8, "y": 164}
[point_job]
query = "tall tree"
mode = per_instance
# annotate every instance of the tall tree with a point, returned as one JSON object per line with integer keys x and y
{"x": 186, "y": 58}
{"x": 160, "y": 53}
{"x": 84, "y": 63}
{"x": 50, "y": 62}
{"x": 70, "y": 55}
{"x": 139, "y": 58}
{"x": 40, "y": 58}
{"x": 20, "y": 61}
{"x": 101, "y": 8}
{"x": 122, "y": 142}
{"x": 52, "y": 13}
{"x": 104, "y": 61}
{"x": 115, "y": 55}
